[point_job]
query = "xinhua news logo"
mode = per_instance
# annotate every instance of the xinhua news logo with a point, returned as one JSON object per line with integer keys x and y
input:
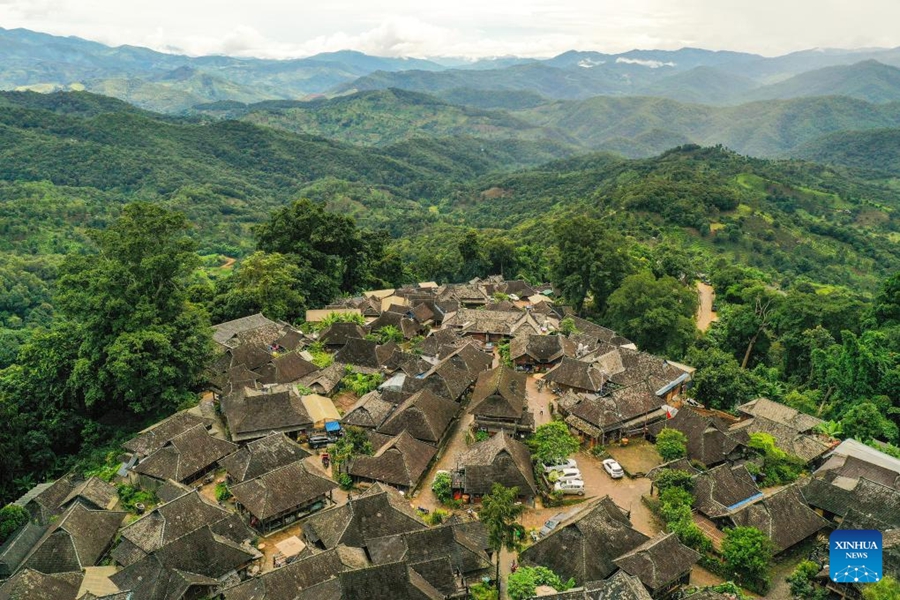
{"x": 855, "y": 556}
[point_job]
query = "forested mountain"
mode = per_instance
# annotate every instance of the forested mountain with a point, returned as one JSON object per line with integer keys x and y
{"x": 175, "y": 83}
{"x": 871, "y": 81}
{"x": 632, "y": 126}
{"x": 877, "y": 149}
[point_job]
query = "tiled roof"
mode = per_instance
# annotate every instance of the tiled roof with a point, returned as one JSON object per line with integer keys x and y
{"x": 541, "y": 348}
{"x": 370, "y": 411}
{"x": 280, "y": 490}
{"x": 402, "y": 462}
{"x": 717, "y": 492}
{"x": 658, "y": 562}
{"x": 28, "y": 584}
{"x": 500, "y": 392}
{"x": 498, "y": 459}
{"x": 253, "y": 414}
{"x": 286, "y": 368}
{"x": 783, "y": 516}
{"x": 339, "y": 334}
{"x": 585, "y": 547}
{"x": 621, "y": 405}
{"x": 708, "y": 439}
{"x": 185, "y": 455}
{"x": 155, "y": 438}
{"x": 78, "y": 540}
{"x": 576, "y": 374}
{"x": 424, "y": 415}
{"x": 224, "y": 332}
{"x": 377, "y": 512}
{"x": 261, "y": 456}
{"x": 359, "y": 353}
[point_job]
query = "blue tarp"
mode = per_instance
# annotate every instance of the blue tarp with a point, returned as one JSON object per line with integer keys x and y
{"x": 332, "y": 426}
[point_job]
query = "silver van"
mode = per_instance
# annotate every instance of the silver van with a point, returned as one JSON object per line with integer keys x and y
{"x": 571, "y": 486}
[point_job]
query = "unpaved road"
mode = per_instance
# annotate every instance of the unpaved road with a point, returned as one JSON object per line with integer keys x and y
{"x": 705, "y": 315}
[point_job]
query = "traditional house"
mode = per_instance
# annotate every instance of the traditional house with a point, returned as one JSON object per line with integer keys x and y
{"x": 723, "y": 490}
{"x": 401, "y": 462}
{"x": 338, "y": 334}
{"x": 153, "y": 438}
{"x": 784, "y": 517}
{"x": 185, "y": 458}
{"x": 363, "y": 354}
{"x": 499, "y": 459}
{"x": 540, "y": 352}
{"x": 708, "y": 438}
{"x": 585, "y": 546}
{"x": 293, "y": 580}
{"x": 252, "y": 414}
{"x": 246, "y": 329}
{"x": 576, "y": 375}
{"x": 175, "y": 520}
{"x": 317, "y": 316}
{"x": 447, "y": 556}
{"x": 431, "y": 345}
{"x": 325, "y": 380}
{"x": 500, "y": 402}
{"x": 282, "y": 495}
{"x": 260, "y": 456}
{"x": 94, "y": 494}
{"x": 834, "y": 497}
{"x": 79, "y": 539}
{"x": 424, "y": 415}
{"x": 793, "y": 431}
{"x": 188, "y": 567}
{"x": 44, "y": 501}
{"x": 377, "y": 512}
{"x": 404, "y": 322}
{"x": 369, "y": 412}
{"x": 624, "y": 412}
{"x": 663, "y": 564}
{"x": 18, "y": 546}
{"x": 285, "y": 368}
{"x": 452, "y": 376}
{"x": 621, "y": 586}
{"x": 29, "y": 584}
{"x": 485, "y": 325}
{"x": 322, "y": 411}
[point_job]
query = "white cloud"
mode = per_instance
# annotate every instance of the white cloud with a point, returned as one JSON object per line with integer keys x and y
{"x": 653, "y": 64}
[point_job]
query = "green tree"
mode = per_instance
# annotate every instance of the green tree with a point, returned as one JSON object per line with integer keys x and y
{"x": 748, "y": 553}
{"x": 499, "y": 511}
{"x": 552, "y": 442}
{"x": 865, "y": 422}
{"x": 887, "y": 303}
{"x": 886, "y": 589}
{"x": 12, "y": 516}
{"x": 802, "y": 582}
{"x": 656, "y": 314}
{"x": 336, "y": 317}
{"x": 266, "y": 283}
{"x": 674, "y": 478}
{"x": 671, "y": 444}
{"x": 591, "y": 260}
{"x": 386, "y": 335}
{"x": 441, "y": 486}
{"x": 779, "y": 467}
{"x": 719, "y": 381}
{"x": 567, "y": 326}
{"x": 143, "y": 346}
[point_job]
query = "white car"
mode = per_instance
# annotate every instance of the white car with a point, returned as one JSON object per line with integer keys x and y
{"x": 568, "y": 474}
{"x": 613, "y": 468}
{"x": 572, "y": 486}
{"x": 568, "y": 463}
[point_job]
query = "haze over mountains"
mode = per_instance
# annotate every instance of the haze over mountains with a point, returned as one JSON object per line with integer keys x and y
{"x": 637, "y": 103}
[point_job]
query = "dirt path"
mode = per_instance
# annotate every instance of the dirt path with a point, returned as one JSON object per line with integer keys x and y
{"x": 705, "y": 315}
{"x": 229, "y": 262}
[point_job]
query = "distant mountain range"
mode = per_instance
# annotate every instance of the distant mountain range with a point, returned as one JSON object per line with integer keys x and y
{"x": 175, "y": 83}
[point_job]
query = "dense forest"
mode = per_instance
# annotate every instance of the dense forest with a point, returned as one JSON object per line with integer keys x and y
{"x": 116, "y": 221}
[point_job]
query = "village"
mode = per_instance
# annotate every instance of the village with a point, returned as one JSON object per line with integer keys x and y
{"x": 351, "y": 458}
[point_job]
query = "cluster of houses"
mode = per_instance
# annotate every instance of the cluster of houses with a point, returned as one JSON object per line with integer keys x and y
{"x": 253, "y": 437}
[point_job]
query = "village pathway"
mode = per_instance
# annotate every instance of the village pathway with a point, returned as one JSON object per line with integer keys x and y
{"x": 454, "y": 448}
{"x": 705, "y": 313}
{"x": 539, "y": 401}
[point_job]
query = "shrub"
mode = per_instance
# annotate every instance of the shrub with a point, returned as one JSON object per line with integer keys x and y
{"x": 441, "y": 487}
{"x": 483, "y": 591}
{"x": 361, "y": 384}
{"x": 748, "y": 552}
{"x": 524, "y": 581}
{"x": 671, "y": 444}
{"x": 801, "y": 582}
{"x": 12, "y": 516}
{"x": 552, "y": 442}
{"x": 778, "y": 467}
{"x": 345, "y": 481}
{"x": 482, "y": 435}
{"x": 222, "y": 492}
{"x": 131, "y": 496}
{"x": 674, "y": 478}
{"x": 436, "y": 517}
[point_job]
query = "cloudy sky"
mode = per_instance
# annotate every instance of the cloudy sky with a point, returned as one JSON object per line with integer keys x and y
{"x": 470, "y": 28}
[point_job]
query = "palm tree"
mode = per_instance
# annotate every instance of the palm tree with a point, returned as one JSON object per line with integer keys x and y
{"x": 499, "y": 511}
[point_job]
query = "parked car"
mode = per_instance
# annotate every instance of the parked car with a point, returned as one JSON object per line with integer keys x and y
{"x": 318, "y": 440}
{"x": 613, "y": 468}
{"x": 571, "y": 486}
{"x": 568, "y": 463}
{"x": 551, "y": 524}
{"x": 568, "y": 474}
